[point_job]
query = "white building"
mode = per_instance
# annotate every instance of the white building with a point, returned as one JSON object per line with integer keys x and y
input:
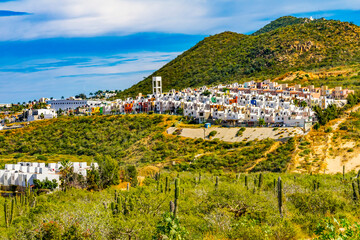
{"x": 37, "y": 114}
{"x": 73, "y": 104}
{"x": 26, "y": 172}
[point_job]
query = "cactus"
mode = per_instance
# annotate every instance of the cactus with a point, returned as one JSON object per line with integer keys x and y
{"x": 115, "y": 196}
{"x": 166, "y": 184}
{"x": 280, "y": 200}
{"x": 161, "y": 187}
{"x": 217, "y": 182}
{"x": 177, "y": 193}
{"x": 274, "y": 185}
{"x": 314, "y": 185}
{"x": 172, "y": 207}
{"x": 246, "y": 181}
{"x": 355, "y": 195}
{"x": 261, "y": 178}
{"x": 125, "y": 208}
{"x": 9, "y": 213}
{"x": 6, "y": 213}
{"x": 116, "y": 205}
{"x": 112, "y": 206}
{"x": 131, "y": 204}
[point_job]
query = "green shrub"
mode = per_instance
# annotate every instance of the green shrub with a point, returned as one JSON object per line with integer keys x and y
{"x": 41, "y": 158}
{"x": 212, "y": 133}
{"x": 328, "y": 129}
{"x": 316, "y": 126}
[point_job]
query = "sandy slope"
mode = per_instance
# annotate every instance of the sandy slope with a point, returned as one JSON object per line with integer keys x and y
{"x": 229, "y": 134}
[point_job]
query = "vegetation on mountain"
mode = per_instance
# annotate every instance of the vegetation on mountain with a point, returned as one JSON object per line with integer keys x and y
{"x": 283, "y": 22}
{"x": 229, "y": 210}
{"x": 230, "y": 57}
{"x": 127, "y": 139}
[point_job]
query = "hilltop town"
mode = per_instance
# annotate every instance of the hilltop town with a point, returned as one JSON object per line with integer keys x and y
{"x": 240, "y": 137}
{"x": 252, "y": 103}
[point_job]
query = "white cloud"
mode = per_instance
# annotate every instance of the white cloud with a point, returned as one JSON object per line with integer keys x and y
{"x": 72, "y": 18}
{"x": 69, "y": 76}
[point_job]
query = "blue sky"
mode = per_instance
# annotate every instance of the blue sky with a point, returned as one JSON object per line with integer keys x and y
{"x": 54, "y": 48}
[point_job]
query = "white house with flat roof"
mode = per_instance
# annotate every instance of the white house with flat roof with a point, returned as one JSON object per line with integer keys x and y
{"x": 26, "y": 172}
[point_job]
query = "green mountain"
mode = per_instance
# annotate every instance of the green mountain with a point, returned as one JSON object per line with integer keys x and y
{"x": 283, "y": 22}
{"x": 287, "y": 44}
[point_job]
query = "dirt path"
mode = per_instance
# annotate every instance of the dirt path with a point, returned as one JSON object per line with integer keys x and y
{"x": 272, "y": 149}
{"x": 334, "y": 164}
{"x": 343, "y": 118}
{"x": 229, "y": 134}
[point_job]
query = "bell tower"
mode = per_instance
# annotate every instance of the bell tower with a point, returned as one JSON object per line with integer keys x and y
{"x": 157, "y": 85}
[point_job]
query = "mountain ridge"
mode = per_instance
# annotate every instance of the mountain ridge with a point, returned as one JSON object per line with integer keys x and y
{"x": 228, "y": 56}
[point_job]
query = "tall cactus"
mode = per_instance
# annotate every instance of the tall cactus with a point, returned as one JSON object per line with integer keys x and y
{"x": 115, "y": 195}
{"x": 113, "y": 208}
{"x": 172, "y": 207}
{"x": 246, "y": 182}
{"x": 280, "y": 199}
{"x": 314, "y": 185}
{"x": 6, "y": 213}
{"x": 177, "y": 194}
{"x": 355, "y": 194}
{"x": 261, "y": 178}
{"x": 125, "y": 208}
{"x": 9, "y": 214}
{"x": 274, "y": 185}
{"x": 166, "y": 184}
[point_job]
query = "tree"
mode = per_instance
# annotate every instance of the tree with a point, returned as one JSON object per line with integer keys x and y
{"x": 93, "y": 179}
{"x": 81, "y": 95}
{"x": 261, "y": 122}
{"x": 66, "y": 171}
{"x": 303, "y": 104}
{"x": 131, "y": 175}
{"x": 45, "y": 184}
{"x": 180, "y": 111}
{"x": 108, "y": 170}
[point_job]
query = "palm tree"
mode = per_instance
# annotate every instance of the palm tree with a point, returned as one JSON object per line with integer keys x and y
{"x": 303, "y": 104}
{"x": 66, "y": 171}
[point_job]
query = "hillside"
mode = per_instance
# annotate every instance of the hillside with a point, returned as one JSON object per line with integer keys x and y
{"x": 141, "y": 140}
{"x": 229, "y": 56}
{"x": 283, "y": 22}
